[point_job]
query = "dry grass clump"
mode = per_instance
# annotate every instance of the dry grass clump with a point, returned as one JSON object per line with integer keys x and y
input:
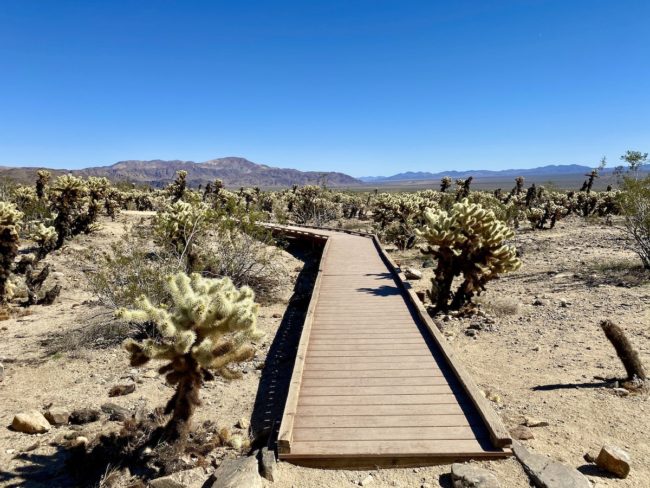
{"x": 499, "y": 307}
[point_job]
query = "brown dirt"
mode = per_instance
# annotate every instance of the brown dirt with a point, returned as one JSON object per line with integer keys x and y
{"x": 542, "y": 361}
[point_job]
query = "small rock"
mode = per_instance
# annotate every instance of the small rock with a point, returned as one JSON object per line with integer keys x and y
{"x": 538, "y": 302}
{"x": 79, "y": 441}
{"x": 428, "y": 263}
{"x": 413, "y": 274}
{"x": 268, "y": 464}
{"x": 469, "y": 476}
{"x": 121, "y": 390}
{"x": 2, "y": 372}
{"x": 366, "y": 481}
{"x": 470, "y": 332}
{"x": 152, "y": 373}
{"x": 243, "y": 424}
{"x": 622, "y": 392}
{"x": 237, "y": 473}
{"x": 533, "y": 422}
{"x": 190, "y": 478}
{"x": 536, "y": 348}
{"x": 493, "y": 397}
{"x": 84, "y": 416}
{"x": 546, "y": 473}
{"x": 277, "y": 315}
{"x": 564, "y": 303}
{"x": 115, "y": 412}
{"x": 522, "y": 433}
{"x": 57, "y": 416}
{"x": 30, "y": 422}
{"x": 615, "y": 460}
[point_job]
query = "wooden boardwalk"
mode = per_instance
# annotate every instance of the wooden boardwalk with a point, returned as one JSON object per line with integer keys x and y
{"x": 374, "y": 381}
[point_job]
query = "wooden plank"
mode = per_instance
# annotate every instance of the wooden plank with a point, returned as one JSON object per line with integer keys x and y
{"x": 385, "y": 353}
{"x": 383, "y": 433}
{"x": 379, "y": 400}
{"x": 457, "y": 420}
{"x": 422, "y": 372}
{"x": 332, "y": 391}
{"x": 450, "y": 448}
{"x": 418, "y": 365}
{"x": 339, "y": 382}
{"x": 373, "y": 410}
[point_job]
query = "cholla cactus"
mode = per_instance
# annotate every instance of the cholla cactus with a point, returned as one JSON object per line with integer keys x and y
{"x": 24, "y": 196}
{"x": 41, "y": 183}
{"x": 208, "y": 326}
{"x": 177, "y": 188}
{"x": 45, "y": 237}
{"x": 445, "y": 183}
{"x": 468, "y": 240}
{"x": 67, "y": 196}
{"x": 10, "y": 219}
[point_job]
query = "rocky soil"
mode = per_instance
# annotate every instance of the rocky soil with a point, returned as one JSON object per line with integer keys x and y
{"x": 538, "y": 353}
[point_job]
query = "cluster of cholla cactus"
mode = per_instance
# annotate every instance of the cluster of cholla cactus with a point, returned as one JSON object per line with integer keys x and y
{"x": 469, "y": 241}
{"x": 208, "y": 327}
{"x": 312, "y": 204}
{"x": 177, "y": 228}
{"x": 10, "y": 219}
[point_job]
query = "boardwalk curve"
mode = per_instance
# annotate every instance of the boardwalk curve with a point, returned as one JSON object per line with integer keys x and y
{"x": 374, "y": 381}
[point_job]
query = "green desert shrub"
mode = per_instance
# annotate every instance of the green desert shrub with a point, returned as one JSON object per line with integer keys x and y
{"x": 468, "y": 241}
{"x": 634, "y": 201}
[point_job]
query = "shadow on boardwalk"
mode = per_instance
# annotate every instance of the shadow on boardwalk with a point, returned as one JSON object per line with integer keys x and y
{"x": 276, "y": 375}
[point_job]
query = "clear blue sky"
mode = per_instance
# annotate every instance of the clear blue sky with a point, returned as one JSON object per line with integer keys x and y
{"x": 365, "y": 87}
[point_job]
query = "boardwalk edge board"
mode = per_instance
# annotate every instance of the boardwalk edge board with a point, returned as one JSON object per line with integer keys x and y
{"x": 499, "y": 436}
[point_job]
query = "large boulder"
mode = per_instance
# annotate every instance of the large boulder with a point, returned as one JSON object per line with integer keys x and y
{"x": 30, "y": 422}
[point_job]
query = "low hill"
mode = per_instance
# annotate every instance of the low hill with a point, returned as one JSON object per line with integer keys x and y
{"x": 233, "y": 171}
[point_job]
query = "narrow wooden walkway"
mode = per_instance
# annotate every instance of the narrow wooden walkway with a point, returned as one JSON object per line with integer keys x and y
{"x": 374, "y": 382}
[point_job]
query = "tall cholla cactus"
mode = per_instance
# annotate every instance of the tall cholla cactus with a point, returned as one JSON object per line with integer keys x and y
{"x": 177, "y": 188}
{"x": 208, "y": 327}
{"x": 9, "y": 227}
{"x": 468, "y": 240}
{"x": 67, "y": 195}
{"x": 41, "y": 183}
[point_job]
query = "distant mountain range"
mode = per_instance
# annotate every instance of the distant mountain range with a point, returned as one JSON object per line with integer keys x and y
{"x": 233, "y": 171}
{"x": 236, "y": 172}
{"x": 550, "y": 170}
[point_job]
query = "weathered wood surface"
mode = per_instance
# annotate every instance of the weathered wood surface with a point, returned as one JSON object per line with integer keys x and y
{"x": 371, "y": 379}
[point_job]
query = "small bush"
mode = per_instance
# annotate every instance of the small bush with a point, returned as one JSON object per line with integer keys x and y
{"x": 634, "y": 201}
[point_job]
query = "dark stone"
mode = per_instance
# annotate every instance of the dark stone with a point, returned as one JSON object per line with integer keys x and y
{"x": 84, "y": 416}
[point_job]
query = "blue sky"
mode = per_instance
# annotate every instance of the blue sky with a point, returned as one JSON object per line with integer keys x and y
{"x": 365, "y": 87}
